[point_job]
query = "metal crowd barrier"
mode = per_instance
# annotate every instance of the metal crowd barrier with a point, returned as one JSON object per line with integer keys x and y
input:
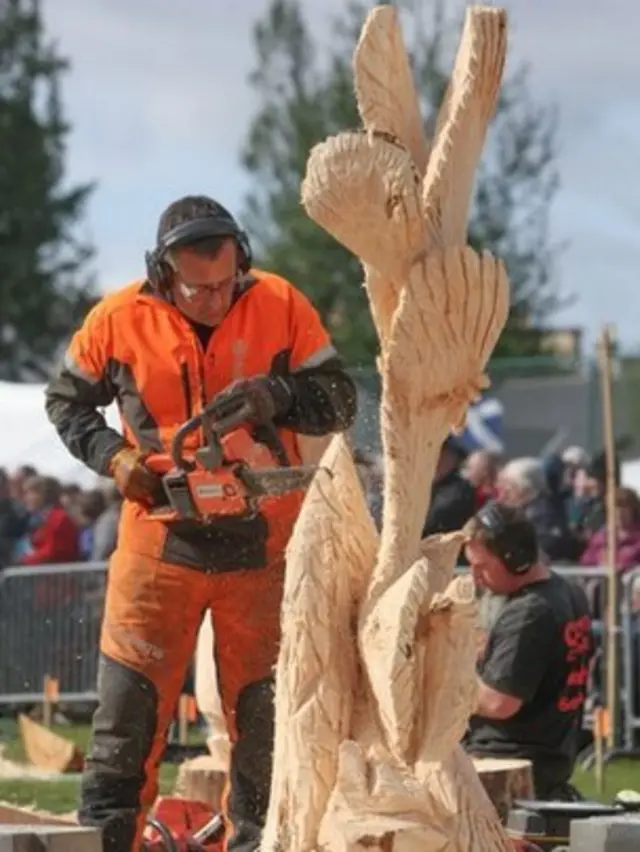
{"x": 630, "y": 633}
{"x": 49, "y": 626}
{"x": 627, "y": 629}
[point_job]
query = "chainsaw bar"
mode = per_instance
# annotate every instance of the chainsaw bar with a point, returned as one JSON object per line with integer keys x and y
{"x": 275, "y": 481}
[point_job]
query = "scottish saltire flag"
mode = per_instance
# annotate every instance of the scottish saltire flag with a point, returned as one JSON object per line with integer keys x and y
{"x": 485, "y": 426}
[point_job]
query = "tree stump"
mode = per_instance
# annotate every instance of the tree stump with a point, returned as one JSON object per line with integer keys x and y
{"x": 505, "y": 779}
{"x": 200, "y": 779}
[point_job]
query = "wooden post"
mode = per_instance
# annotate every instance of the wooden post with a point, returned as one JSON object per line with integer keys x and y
{"x": 611, "y": 634}
{"x": 601, "y": 733}
{"x": 51, "y": 693}
{"x": 186, "y": 714}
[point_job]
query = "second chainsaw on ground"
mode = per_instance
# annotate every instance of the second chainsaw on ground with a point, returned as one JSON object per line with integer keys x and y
{"x": 231, "y": 473}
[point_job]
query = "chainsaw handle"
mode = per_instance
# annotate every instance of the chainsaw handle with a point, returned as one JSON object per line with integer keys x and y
{"x": 214, "y": 431}
{"x": 166, "y": 837}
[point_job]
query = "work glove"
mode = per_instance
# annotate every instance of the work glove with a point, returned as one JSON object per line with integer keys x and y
{"x": 133, "y": 479}
{"x": 268, "y": 397}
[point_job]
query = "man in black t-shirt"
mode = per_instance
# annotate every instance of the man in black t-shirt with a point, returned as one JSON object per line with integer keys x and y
{"x": 534, "y": 669}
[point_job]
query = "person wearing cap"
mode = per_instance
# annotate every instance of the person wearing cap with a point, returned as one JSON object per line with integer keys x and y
{"x": 203, "y": 321}
{"x": 574, "y": 458}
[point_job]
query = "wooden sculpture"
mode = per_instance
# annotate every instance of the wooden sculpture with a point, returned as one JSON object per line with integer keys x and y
{"x": 376, "y": 676}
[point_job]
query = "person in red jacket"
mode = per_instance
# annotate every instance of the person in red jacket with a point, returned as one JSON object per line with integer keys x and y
{"x": 55, "y": 539}
{"x": 481, "y": 469}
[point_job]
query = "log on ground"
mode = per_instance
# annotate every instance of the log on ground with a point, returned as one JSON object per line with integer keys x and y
{"x": 505, "y": 779}
{"x": 200, "y": 779}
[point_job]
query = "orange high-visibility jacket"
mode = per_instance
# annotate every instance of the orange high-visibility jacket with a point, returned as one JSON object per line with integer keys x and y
{"x": 138, "y": 349}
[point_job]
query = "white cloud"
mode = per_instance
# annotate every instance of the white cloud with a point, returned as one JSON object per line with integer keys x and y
{"x": 159, "y": 101}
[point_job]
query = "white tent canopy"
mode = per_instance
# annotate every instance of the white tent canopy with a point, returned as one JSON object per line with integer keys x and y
{"x": 631, "y": 474}
{"x": 27, "y": 437}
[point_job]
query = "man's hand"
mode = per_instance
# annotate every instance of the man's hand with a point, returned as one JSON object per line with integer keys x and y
{"x": 133, "y": 478}
{"x": 267, "y": 396}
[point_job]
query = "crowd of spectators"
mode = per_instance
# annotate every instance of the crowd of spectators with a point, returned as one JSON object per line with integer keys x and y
{"x": 46, "y": 522}
{"x": 563, "y": 496}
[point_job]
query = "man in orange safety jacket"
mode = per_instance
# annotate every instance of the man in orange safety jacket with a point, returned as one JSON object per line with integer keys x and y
{"x": 201, "y": 322}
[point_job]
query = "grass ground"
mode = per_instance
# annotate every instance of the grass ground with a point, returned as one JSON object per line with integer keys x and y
{"x": 61, "y": 796}
{"x": 619, "y": 775}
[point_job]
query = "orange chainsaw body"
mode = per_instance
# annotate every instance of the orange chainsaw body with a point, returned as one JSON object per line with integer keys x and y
{"x": 213, "y": 493}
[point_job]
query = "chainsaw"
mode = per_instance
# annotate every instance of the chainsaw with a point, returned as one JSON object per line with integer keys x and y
{"x": 231, "y": 473}
{"x": 178, "y": 839}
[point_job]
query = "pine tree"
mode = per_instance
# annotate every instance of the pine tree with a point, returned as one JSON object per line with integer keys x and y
{"x": 44, "y": 286}
{"x": 306, "y": 93}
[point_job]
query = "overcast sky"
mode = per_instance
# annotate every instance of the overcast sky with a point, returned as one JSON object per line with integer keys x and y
{"x": 159, "y": 104}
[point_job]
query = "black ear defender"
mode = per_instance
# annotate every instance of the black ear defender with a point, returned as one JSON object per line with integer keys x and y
{"x": 218, "y": 224}
{"x": 509, "y": 536}
{"x": 159, "y": 272}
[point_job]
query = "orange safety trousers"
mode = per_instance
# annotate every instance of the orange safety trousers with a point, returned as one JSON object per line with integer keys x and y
{"x": 152, "y": 616}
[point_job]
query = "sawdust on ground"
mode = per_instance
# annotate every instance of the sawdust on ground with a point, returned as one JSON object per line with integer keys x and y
{"x": 12, "y": 771}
